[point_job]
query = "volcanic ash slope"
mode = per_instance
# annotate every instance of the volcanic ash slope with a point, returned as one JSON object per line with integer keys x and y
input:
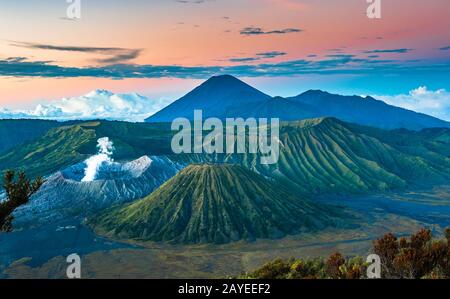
{"x": 64, "y": 194}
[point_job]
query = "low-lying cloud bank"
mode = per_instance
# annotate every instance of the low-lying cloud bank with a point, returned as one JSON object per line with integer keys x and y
{"x": 432, "y": 102}
{"x": 98, "y": 104}
{"x": 103, "y": 104}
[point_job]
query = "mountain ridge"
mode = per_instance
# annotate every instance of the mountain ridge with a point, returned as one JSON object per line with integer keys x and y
{"x": 226, "y": 96}
{"x": 327, "y": 155}
{"x": 317, "y": 156}
{"x": 214, "y": 92}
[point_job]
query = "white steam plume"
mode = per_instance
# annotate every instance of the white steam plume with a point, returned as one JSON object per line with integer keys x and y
{"x": 105, "y": 150}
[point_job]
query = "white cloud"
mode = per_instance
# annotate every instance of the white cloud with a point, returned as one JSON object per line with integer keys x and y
{"x": 98, "y": 104}
{"x": 435, "y": 103}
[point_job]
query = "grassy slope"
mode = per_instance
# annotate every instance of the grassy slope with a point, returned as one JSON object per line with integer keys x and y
{"x": 57, "y": 148}
{"x": 317, "y": 156}
{"x": 327, "y": 155}
{"x": 63, "y": 146}
{"x": 350, "y": 161}
{"x": 215, "y": 203}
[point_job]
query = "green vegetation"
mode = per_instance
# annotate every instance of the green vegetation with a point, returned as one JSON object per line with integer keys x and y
{"x": 320, "y": 156}
{"x": 67, "y": 145}
{"x": 431, "y": 144}
{"x": 57, "y": 148}
{"x": 215, "y": 204}
{"x": 317, "y": 156}
{"x": 335, "y": 267}
{"x": 417, "y": 257}
{"x": 18, "y": 192}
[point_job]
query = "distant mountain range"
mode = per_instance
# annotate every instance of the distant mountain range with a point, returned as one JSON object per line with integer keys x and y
{"x": 215, "y": 204}
{"x": 226, "y": 96}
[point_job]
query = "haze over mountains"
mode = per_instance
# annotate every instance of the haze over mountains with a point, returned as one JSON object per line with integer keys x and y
{"x": 226, "y": 96}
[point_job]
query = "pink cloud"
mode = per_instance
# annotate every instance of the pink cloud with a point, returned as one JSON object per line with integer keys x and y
{"x": 289, "y": 4}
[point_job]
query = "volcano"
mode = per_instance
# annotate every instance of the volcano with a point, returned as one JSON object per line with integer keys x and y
{"x": 228, "y": 97}
{"x": 215, "y": 203}
{"x": 64, "y": 194}
{"x": 214, "y": 97}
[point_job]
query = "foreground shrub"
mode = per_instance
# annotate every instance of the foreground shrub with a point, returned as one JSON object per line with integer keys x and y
{"x": 417, "y": 257}
{"x": 18, "y": 192}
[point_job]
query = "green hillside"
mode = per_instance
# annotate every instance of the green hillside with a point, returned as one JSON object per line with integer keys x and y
{"x": 326, "y": 155}
{"x": 59, "y": 147}
{"x": 426, "y": 143}
{"x": 215, "y": 203}
{"x": 317, "y": 156}
{"x": 70, "y": 144}
{"x": 331, "y": 156}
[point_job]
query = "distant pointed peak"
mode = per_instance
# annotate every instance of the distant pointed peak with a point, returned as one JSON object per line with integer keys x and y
{"x": 222, "y": 80}
{"x": 315, "y": 92}
{"x": 225, "y": 83}
{"x": 224, "y": 77}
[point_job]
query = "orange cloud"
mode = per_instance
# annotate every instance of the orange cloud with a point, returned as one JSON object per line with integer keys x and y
{"x": 290, "y": 4}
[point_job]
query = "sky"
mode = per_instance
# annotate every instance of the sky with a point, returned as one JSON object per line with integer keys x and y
{"x": 161, "y": 49}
